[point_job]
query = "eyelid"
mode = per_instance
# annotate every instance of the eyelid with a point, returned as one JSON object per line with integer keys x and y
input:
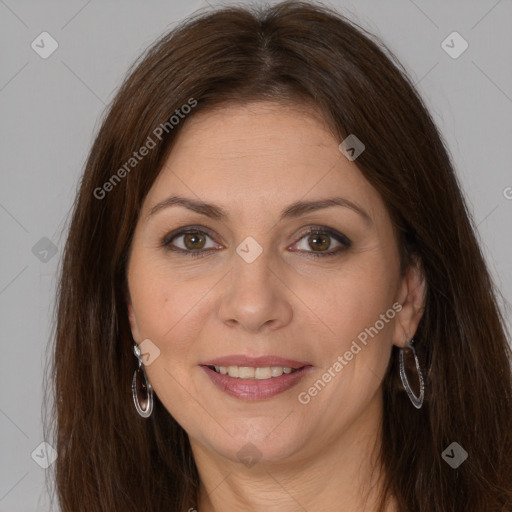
{"x": 169, "y": 237}
{"x": 343, "y": 239}
{"x": 184, "y": 229}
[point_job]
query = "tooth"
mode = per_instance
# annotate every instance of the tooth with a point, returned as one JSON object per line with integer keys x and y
{"x": 276, "y": 371}
{"x": 263, "y": 373}
{"x": 246, "y": 372}
{"x": 249, "y": 372}
{"x": 233, "y": 371}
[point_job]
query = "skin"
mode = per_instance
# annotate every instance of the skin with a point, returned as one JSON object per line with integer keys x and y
{"x": 254, "y": 161}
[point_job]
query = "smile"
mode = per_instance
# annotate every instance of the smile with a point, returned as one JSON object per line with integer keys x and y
{"x": 248, "y": 372}
{"x": 255, "y": 383}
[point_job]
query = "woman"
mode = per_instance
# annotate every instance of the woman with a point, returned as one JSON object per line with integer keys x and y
{"x": 272, "y": 297}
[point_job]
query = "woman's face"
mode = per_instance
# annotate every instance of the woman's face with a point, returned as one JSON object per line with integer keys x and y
{"x": 254, "y": 283}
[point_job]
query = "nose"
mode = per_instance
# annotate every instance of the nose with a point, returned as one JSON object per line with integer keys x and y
{"x": 255, "y": 297}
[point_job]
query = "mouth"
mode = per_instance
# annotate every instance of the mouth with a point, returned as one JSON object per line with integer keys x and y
{"x": 256, "y": 373}
{"x": 255, "y": 382}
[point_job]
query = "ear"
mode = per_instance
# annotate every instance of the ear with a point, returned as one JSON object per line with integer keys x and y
{"x": 411, "y": 296}
{"x": 133, "y": 320}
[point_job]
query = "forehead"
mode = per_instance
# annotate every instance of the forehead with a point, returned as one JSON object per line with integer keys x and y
{"x": 258, "y": 131}
{"x": 259, "y": 154}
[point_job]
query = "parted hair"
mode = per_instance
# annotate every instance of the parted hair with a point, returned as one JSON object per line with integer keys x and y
{"x": 300, "y": 53}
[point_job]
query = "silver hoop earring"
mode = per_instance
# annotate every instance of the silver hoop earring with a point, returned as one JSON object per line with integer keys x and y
{"x": 141, "y": 388}
{"x": 417, "y": 401}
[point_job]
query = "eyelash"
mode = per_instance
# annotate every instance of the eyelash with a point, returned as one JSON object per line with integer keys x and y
{"x": 339, "y": 237}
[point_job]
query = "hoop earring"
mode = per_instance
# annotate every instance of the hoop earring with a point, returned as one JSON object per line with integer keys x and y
{"x": 141, "y": 386}
{"x": 417, "y": 401}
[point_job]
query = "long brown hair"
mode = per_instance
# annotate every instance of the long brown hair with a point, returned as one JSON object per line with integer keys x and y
{"x": 110, "y": 459}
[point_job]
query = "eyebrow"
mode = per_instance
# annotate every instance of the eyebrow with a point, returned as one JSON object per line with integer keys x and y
{"x": 294, "y": 210}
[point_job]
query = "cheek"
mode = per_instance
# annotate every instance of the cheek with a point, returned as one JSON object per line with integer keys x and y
{"x": 354, "y": 297}
{"x": 152, "y": 297}
{"x": 168, "y": 305}
{"x": 355, "y": 307}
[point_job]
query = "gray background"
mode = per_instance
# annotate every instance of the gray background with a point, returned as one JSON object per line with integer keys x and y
{"x": 50, "y": 109}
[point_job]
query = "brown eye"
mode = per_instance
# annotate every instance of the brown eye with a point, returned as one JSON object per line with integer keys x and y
{"x": 316, "y": 243}
{"x": 191, "y": 242}
{"x": 194, "y": 240}
{"x": 319, "y": 241}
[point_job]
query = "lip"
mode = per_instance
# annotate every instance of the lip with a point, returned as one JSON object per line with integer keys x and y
{"x": 255, "y": 362}
{"x": 255, "y": 389}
